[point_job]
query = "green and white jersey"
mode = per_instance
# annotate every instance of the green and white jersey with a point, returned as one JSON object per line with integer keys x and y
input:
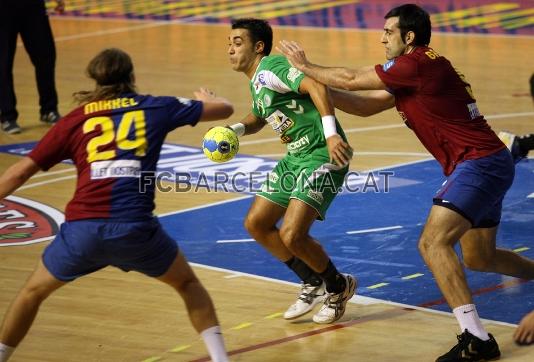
{"x": 293, "y": 116}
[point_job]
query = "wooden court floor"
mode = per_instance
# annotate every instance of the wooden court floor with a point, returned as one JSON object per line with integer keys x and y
{"x": 114, "y": 316}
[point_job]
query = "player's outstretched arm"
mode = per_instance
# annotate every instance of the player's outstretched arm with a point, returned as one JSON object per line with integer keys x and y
{"x": 363, "y": 105}
{"x": 214, "y": 107}
{"x": 16, "y": 175}
{"x": 364, "y": 78}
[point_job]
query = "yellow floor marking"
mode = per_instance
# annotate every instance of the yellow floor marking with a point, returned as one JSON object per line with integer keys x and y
{"x": 274, "y": 315}
{"x": 241, "y": 326}
{"x": 180, "y": 348}
{"x": 379, "y": 285}
{"x": 416, "y": 275}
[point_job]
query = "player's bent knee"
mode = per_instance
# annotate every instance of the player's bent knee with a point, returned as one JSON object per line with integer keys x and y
{"x": 292, "y": 239}
{"x": 424, "y": 246}
{"x": 256, "y": 226}
{"x": 428, "y": 248}
{"x": 35, "y": 294}
{"x": 252, "y": 224}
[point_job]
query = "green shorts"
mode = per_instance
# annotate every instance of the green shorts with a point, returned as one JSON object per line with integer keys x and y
{"x": 314, "y": 181}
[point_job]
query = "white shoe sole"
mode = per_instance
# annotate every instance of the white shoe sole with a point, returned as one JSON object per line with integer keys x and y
{"x": 351, "y": 294}
{"x": 305, "y": 311}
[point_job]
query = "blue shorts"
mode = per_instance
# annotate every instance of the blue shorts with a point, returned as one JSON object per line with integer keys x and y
{"x": 85, "y": 246}
{"x": 476, "y": 188}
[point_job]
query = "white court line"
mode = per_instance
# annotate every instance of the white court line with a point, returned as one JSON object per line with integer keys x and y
{"x": 531, "y": 196}
{"x": 104, "y": 32}
{"x": 511, "y": 115}
{"x": 205, "y": 206}
{"x": 35, "y": 184}
{"x": 349, "y": 130}
{"x": 390, "y": 126}
{"x": 364, "y": 231}
{"x": 357, "y": 299}
{"x": 357, "y": 153}
{"x": 400, "y": 164}
{"x": 48, "y": 173}
{"x": 234, "y": 241}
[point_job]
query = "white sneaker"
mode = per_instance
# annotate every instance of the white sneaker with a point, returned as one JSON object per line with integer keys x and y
{"x": 334, "y": 304}
{"x": 309, "y": 297}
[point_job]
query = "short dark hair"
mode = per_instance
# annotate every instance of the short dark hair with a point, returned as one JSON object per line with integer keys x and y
{"x": 259, "y": 30}
{"x": 412, "y": 18}
{"x": 532, "y": 85}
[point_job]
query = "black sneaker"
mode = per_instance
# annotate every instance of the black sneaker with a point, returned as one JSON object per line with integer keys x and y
{"x": 10, "y": 127}
{"x": 472, "y": 348}
{"x": 526, "y": 143}
{"x": 50, "y": 117}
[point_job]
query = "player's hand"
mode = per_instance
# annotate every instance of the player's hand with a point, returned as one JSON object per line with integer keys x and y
{"x": 524, "y": 334}
{"x": 205, "y": 95}
{"x": 60, "y": 6}
{"x": 294, "y": 53}
{"x": 339, "y": 150}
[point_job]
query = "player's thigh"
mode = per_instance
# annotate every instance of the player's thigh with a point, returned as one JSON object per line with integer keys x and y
{"x": 317, "y": 185}
{"x": 178, "y": 273}
{"x": 264, "y": 212}
{"x": 443, "y": 227}
{"x": 299, "y": 217}
{"x": 479, "y": 243}
{"x": 42, "y": 282}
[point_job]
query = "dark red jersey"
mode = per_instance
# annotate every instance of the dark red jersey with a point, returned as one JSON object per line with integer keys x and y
{"x": 436, "y": 102}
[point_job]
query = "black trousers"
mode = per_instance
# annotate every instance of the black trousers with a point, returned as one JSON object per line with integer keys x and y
{"x": 29, "y": 19}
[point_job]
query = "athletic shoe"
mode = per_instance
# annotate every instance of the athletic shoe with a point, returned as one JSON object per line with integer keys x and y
{"x": 50, "y": 117}
{"x": 472, "y": 348}
{"x": 10, "y": 127}
{"x": 309, "y": 297}
{"x": 511, "y": 141}
{"x": 334, "y": 305}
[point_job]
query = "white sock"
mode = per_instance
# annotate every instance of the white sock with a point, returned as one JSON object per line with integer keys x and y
{"x": 5, "y": 352}
{"x": 468, "y": 318}
{"x": 215, "y": 344}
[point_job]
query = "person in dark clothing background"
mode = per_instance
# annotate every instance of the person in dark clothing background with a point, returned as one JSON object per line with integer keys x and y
{"x": 520, "y": 146}
{"x": 29, "y": 19}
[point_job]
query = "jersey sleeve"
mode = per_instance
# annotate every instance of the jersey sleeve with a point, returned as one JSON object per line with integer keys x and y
{"x": 52, "y": 148}
{"x": 183, "y": 111}
{"x": 398, "y": 73}
{"x": 281, "y": 76}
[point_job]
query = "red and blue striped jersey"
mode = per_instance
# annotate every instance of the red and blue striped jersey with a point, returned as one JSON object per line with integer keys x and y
{"x": 113, "y": 143}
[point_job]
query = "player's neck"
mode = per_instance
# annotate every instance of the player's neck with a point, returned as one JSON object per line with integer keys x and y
{"x": 410, "y": 49}
{"x": 254, "y": 66}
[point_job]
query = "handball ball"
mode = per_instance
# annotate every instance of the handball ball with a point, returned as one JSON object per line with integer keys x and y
{"x": 220, "y": 144}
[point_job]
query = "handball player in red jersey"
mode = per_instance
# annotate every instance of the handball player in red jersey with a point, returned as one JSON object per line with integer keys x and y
{"x": 114, "y": 138}
{"x": 437, "y": 104}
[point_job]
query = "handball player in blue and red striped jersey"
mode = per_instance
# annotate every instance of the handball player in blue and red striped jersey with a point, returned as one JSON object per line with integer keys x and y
{"x": 436, "y": 102}
{"x": 114, "y": 137}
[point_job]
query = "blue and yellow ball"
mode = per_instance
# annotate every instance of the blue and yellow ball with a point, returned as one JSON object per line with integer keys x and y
{"x": 220, "y": 144}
